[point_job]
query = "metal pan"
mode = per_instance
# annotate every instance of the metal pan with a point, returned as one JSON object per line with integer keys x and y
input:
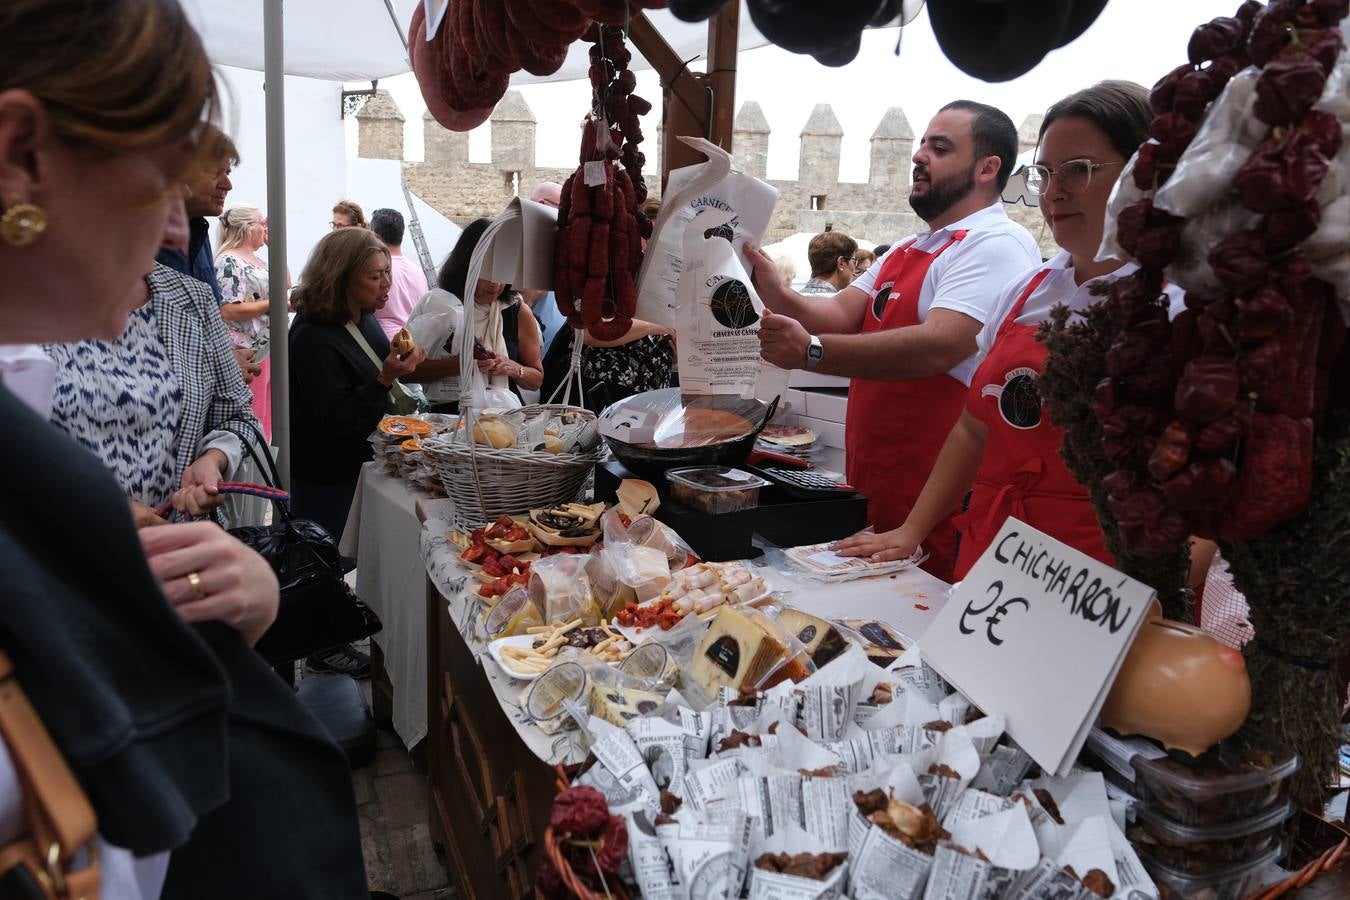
{"x": 651, "y": 461}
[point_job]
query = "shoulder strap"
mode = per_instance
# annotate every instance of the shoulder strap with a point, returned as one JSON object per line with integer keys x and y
{"x": 61, "y": 821}
{"x": 360, "y": 339}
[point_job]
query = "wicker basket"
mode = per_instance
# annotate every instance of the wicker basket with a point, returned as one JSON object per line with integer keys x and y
{"x": 486, "y": 483}
{"x": 553, "y": 850}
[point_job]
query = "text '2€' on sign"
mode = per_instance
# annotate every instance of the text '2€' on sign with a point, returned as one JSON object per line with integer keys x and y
{"x": 1037, "y": 631}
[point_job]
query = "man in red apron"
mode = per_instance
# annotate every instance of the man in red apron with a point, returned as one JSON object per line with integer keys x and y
{"x": 905, "y": 330}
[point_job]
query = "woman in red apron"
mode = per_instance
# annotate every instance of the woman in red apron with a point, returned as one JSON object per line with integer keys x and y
{"x": 1003, "y": 450}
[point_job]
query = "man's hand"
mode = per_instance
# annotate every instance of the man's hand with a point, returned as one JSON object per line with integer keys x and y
{"x": 783, "y": 341}
{"x": 247, "y": 367}
{"x": 198, "y": 495}
{"x": 765, "y": 277}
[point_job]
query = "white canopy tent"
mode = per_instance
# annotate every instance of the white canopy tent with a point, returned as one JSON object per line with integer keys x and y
{"x": 350, "y": 40}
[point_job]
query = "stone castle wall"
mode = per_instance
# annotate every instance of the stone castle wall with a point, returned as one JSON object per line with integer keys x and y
{"x": 876, "y": 210}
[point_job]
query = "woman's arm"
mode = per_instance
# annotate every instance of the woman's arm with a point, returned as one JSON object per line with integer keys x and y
{"x": 434, "y": 370}
{"x": 242, "y": 310}
{"x": 949, "y": 481}
{"x": 639, "y": 330}
{"x": 528, "y": 371}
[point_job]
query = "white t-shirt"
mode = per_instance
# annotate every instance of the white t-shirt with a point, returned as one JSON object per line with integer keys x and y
{"x": 1058, "y": 288}
{"x": 970, "y": 275}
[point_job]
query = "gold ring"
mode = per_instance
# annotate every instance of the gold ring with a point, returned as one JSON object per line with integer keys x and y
{"x": 196, "y": 581}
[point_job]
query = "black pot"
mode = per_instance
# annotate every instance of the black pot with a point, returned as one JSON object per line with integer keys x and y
{"x": 652, "y": 462}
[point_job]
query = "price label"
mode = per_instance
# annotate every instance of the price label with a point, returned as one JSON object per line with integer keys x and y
{"x": 1037, "y": 631}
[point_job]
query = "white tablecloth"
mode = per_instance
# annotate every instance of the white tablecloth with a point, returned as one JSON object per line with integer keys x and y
{"x": 383, "y": 535}
{"x": 907, "y": 601}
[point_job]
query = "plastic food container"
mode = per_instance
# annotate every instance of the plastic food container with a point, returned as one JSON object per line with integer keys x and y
{"x": 715, "y": 489}
{"x": 1234, "y": 882}
{"x": 1224, "y": 785}
{"x": 1204, "y": 848}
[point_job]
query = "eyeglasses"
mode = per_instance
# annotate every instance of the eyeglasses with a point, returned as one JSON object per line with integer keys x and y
{"x": 336, "y": 225}
{"x": 1074, "y": 175}
{"x": 860, "y": 261}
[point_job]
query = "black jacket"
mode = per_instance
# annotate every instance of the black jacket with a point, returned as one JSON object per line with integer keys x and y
{"x": 335, "y": 400}
{"x": 181, "y": 736}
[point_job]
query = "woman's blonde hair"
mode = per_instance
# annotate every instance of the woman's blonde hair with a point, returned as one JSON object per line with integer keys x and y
{"x": 239, "y": 226}
{"x": 335, "y": 261}
{"x": 116, "y": 75}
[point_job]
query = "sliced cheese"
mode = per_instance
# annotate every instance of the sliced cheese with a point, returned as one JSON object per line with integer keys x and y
{"x": 619, "y": 706}
{"x": 737, "y": 652}
{"x": 823, "y": 642}
{"x": 882, "y": 645}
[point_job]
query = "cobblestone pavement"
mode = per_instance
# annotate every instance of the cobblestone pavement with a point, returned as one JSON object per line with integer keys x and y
{"x": 391, "y": 799}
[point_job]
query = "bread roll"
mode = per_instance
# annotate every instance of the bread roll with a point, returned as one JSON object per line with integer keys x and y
{"x": 402, "y": 343}
{"x": 494, "y": 433}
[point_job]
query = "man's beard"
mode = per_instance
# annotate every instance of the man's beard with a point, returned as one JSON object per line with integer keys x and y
{"x": 942, "y": 195}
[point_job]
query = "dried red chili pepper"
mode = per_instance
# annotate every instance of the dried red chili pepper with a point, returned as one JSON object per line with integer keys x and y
{"x": 1207, "y": 389}
{"x": 1130, "y": 352}
{"x": 1287, "y": 88}
{"x": 1323, "y": 129}
{"x": 1285, "y": 228}
{"x": 580, "y": 810}
{"x": 1171, "y": 453}
{"x": 1204, "y": 484}
{"x": 1164, "y": 90}
{"x": 1149, "y": 526}
{"x": 1323, "y": 45}
{"x": 1269, "y": 33}
{"x": 1263, "y": 314}
{"x": 1196, "y": 89}
{"x": 1160, "y": 241}
{"x": 1119, "y": 484}
{"x": 1130, "y": 224}
{"x": 1215, "y": 38}
{"x": 1218, "y": 438}
{"x": 1173, "y": 132}
{"x": 1105, "y": 398}
{"x": 1282, "y": 173}
{"x": 615, "y": 846}
{"x": 1329, "y": 12}
{"x": 1145, "y": 169}
{"x": 1239, "y": 261}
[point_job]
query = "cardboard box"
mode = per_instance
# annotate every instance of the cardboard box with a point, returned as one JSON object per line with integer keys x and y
{"x": 829, "y": 404}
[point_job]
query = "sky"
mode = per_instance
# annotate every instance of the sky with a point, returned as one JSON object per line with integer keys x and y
{"x": 1138, "y": 40}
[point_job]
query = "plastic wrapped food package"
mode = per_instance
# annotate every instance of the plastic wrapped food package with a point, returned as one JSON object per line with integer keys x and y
{"x": 1224, "y": 141}
{"x": 668, "y": 420}
{"x": 561, "y": 590}
{"x": 715, "y": 489}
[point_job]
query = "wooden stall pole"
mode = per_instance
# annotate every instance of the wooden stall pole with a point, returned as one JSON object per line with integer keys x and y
{"x": 695, "y": 104}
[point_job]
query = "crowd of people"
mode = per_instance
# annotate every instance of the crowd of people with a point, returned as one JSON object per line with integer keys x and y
{"x": 134, "y": 373}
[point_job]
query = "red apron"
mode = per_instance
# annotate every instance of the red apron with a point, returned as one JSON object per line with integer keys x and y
{"x": 895, "y": 429}
{"x": 1021, "y": 473}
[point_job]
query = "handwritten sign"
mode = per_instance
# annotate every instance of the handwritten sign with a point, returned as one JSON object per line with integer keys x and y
{"x": 1037, "y": 631}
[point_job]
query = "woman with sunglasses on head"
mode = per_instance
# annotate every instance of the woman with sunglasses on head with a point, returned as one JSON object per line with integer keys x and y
{"x": 1004, "y": 443}
{"x": 206, "y": 776}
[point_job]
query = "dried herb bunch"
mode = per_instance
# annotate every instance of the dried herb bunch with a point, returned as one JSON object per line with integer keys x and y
{"x": 1075, "y": 366}
{"x": 1297, "y": 583}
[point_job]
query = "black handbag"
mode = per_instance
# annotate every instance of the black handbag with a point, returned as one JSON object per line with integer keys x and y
{"x": 318, "y": 608}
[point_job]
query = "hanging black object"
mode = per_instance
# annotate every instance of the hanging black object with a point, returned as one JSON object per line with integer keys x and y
{"x": 811, "y": 26}
{"x": 695, "y": 10}
{"x": 998, "y": 40}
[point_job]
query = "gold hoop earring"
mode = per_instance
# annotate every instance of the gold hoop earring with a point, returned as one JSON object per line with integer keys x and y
{"x": 22, "y": 224}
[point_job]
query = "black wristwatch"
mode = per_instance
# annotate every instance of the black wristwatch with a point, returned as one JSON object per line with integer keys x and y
{"x": 815, "y": 352}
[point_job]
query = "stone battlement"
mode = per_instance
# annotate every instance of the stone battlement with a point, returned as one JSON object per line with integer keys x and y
{"x": 875, "y": 210}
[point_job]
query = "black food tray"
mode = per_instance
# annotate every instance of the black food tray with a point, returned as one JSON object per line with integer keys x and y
{"x": 780, "y": 519}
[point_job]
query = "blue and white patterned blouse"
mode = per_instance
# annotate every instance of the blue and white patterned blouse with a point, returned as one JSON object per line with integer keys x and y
{"x": 122, "y": 400}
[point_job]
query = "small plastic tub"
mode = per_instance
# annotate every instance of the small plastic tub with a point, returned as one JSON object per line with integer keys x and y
{"x": 1234, "y": 882}
{"x": 1224, "y": 785}
{"x": 715, "y": 489}
{"x": 1203, "y": 848}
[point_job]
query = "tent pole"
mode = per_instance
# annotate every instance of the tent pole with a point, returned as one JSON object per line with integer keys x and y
{"x": 275, "y": 95}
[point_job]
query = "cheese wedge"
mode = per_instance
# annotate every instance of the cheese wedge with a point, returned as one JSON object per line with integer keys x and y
{"x": 882, "y": 645}
{"x": 737, "y": 651}
{"x": 619, "y": 706}
{"x": 823, "y": 642}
